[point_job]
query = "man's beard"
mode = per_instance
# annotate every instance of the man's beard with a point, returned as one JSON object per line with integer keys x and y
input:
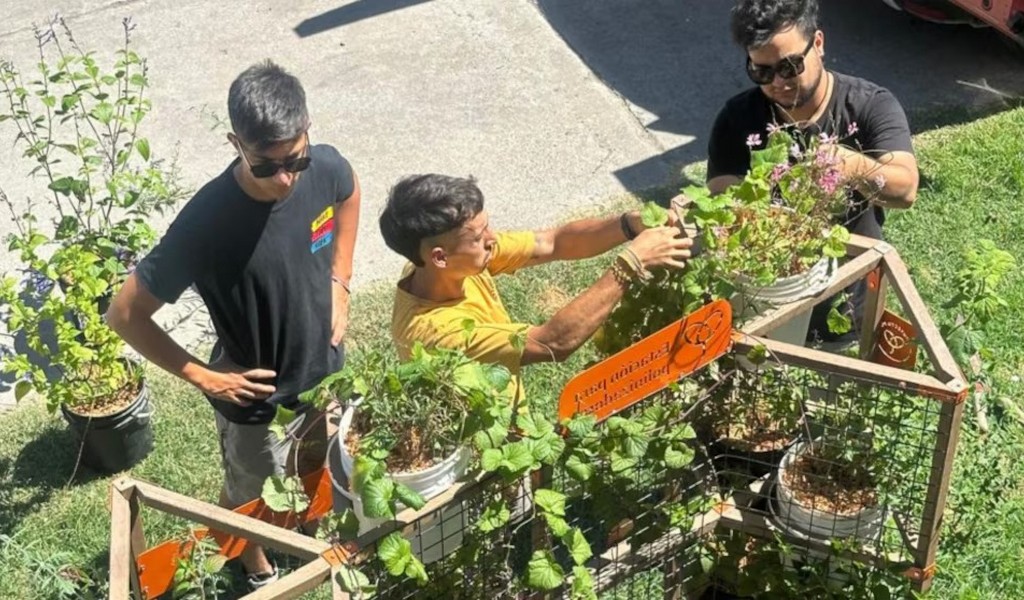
{"x": 805, "y": 96}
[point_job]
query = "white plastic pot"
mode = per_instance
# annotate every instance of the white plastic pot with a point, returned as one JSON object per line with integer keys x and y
{"x": 434, "y": 536}
{"x": 752, "y": 300}
{"x": 865, "y": 527}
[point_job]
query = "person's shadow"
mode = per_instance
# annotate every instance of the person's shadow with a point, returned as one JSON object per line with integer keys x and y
{"x": 674, "y": 63}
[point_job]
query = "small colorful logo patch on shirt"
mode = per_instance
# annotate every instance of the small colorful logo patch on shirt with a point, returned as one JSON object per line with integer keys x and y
{"x": 323, "y": 230}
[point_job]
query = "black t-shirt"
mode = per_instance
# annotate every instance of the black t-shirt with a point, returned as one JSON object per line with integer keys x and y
{"x": 881, "y": 126}
{"x": 264, "y": 271}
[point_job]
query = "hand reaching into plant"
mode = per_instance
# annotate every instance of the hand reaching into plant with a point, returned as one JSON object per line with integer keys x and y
{"x": 228, "y": 382}
{"x": 662, "y": 247}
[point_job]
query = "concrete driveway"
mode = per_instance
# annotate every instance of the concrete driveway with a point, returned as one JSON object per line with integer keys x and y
{"x": 552, "y": 104}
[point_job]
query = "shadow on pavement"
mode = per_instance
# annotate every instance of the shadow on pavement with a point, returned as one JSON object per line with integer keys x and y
{"x": 350, "y": 13}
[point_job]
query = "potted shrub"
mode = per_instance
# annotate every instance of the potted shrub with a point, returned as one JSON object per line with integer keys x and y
{"x": 828, "y": 487}
{"x": 750, "y": 417}
{"x": 80, "y": 126}
{"x": 769, "y": 240}
{"x": 411, "y": 431}
{"x": 772, "y": 239}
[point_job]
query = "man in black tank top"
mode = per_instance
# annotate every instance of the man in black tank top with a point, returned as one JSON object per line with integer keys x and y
{"x": 784, "y": 54}
{"x": 268, "y": 245}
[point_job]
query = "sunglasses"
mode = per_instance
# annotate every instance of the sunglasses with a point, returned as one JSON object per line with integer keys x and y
{"x": 787, "y": 68}
{"x": 270, "y": 168}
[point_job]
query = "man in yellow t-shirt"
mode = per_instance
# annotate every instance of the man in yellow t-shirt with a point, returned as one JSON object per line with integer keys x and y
{"x": 440, "y": 225}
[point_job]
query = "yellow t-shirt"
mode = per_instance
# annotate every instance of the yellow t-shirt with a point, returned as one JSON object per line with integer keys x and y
{"x": 441, "y": 323}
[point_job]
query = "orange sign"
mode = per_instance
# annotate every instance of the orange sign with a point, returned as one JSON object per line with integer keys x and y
{"x": 650, "y": 365}
{"x": 894, "y": 342}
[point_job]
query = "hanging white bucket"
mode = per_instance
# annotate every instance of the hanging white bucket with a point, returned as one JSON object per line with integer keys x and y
{"x": 751, "y": 300}
{"x": 434, "y": 536}
{"x": 864, "y": 527}
{"x": 428, "y": 482}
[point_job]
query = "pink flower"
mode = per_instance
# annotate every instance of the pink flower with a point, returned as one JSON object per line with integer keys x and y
{"x": 825, "y": 138}
{"x": 830, "y": 180}
{"x": 779, "y": 171}
{"x": 852, "y": 128}
{"x": 772, "y": 128}
{"x": 825, "y": 158}
{"x": 753, "y": 140}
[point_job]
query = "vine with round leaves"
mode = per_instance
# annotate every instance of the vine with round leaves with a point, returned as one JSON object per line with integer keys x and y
{"x": 512, "y": 445}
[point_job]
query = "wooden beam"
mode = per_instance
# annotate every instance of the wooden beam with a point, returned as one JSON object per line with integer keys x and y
{"x": 874, "y": 308}
{"x": 283, "y": 540}
{"x": 845, "y": 276}
{"x": 860, "y": 244}
{"x": 915, "y": 383}
{"x": 126, "y": 488}
{"x": 950, "y": 417}
{"x": 121, "y": 562}
{"x": 945, "y": 366}
{"x": 757, "y": 524}
{"x": 296, "y": 583}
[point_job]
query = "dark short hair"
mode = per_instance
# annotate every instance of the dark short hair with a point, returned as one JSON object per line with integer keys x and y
{"x": 267, "y": 105}
{"x": 754, "y": 22}
{"x": 424, "y": 206}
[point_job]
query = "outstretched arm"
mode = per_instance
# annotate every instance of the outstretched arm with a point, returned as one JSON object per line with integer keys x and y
{"x": 586, "y": 238}
{"x": 573, "y": 325}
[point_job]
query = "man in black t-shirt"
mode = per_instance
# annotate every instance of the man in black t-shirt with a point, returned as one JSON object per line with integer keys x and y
{"x": 784, "y": 57}
{"x": 268, "y": 245}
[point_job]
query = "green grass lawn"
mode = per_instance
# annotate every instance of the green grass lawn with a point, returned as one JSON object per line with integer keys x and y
{"x": 973, "y": 189}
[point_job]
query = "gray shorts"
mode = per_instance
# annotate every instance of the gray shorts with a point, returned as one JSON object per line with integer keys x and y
{"x": 252, "y": 453}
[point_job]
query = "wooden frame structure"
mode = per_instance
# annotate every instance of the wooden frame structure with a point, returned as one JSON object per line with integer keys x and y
{"x": 881, "y": 266}
{"x": 148, "y": 572}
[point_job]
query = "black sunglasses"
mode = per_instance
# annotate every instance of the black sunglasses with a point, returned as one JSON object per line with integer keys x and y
{"x": 270, "y": 168}
{"x": 787, "y": 68}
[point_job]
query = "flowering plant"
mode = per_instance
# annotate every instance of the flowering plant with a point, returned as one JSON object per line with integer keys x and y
{"x": 782, "y": 217}
{"x": 778, "y": 221}
{"x": 79, "y": 125}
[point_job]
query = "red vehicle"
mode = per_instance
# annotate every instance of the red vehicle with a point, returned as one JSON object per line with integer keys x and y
{"x": 1006, "y": 16}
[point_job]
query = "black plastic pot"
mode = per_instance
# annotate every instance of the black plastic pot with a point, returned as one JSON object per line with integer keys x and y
{"x": 114, "y": 442}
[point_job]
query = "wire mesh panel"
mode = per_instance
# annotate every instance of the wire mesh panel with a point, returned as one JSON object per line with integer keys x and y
{"x": 835, "y": 471}
{"x": 819, "y": 477}
{"x": 639, "y": 489}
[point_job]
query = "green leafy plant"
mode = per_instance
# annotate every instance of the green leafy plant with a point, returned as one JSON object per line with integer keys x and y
{"x": 777, "y": 222}
{"x": 976, "y": 302}
{"x": 79, "y": 124}
{"x": 771, "y": 569}
{"x": 284, "y": 494}
{"x": 759, "y": 410}
{"x": 639, "y": 468}
{"x": 415, "y": 414}
{"x": 200, "y": 574}
{"x": 464, "y": 404}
